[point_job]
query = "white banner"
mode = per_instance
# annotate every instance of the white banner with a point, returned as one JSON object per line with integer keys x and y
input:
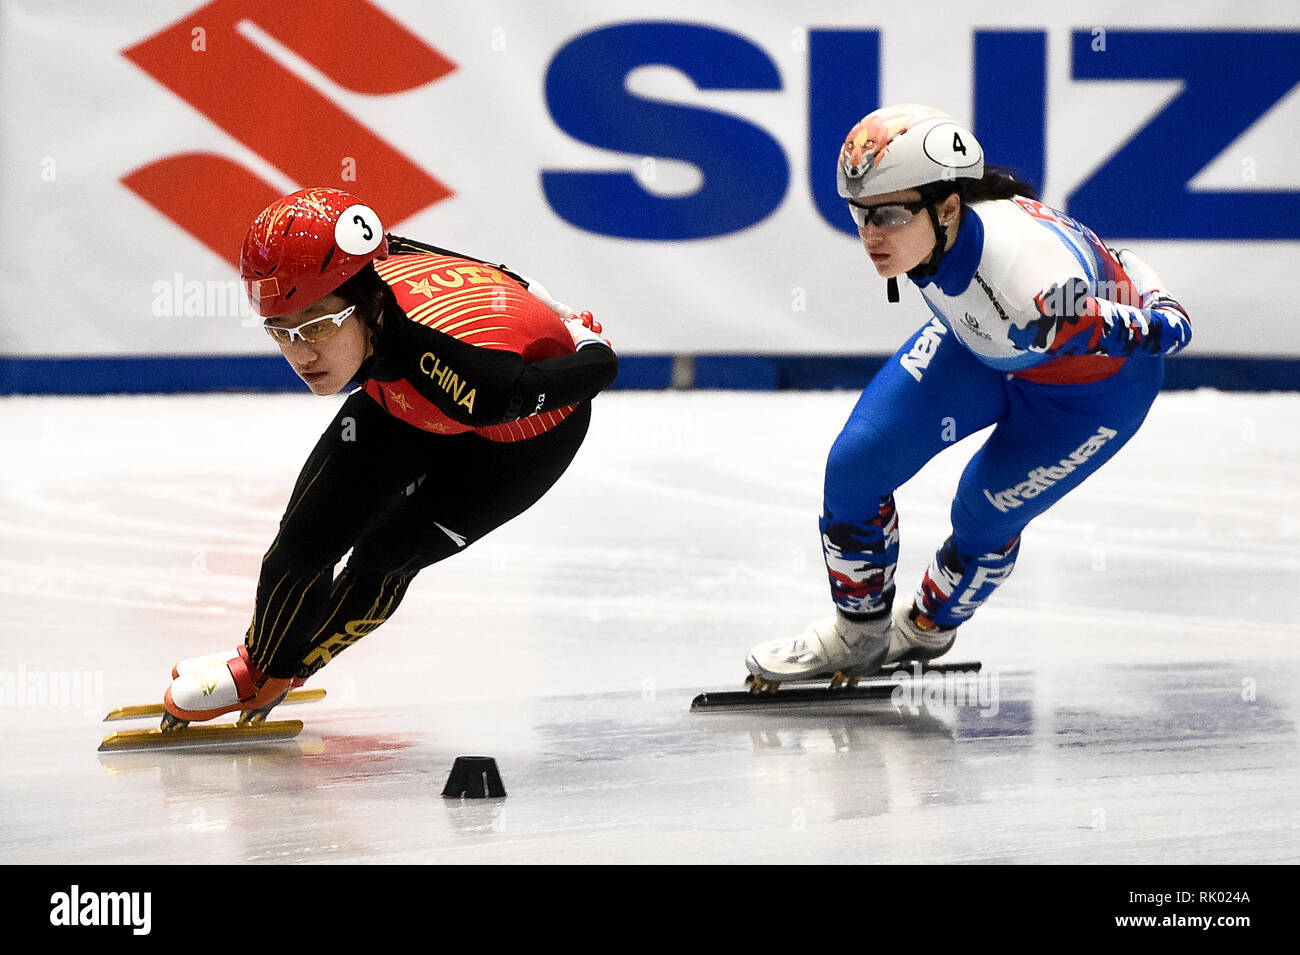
{"x": 646, "y": 160}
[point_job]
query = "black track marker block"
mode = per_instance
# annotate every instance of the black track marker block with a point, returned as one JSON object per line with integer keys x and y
{"x": 474, "y": 777}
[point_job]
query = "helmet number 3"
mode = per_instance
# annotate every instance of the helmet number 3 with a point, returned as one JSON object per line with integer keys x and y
{"x": 358, "y": 230}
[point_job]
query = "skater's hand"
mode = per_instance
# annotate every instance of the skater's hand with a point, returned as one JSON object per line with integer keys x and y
{"x": 581, "y": 325}
{"x": 586, "y": 330}
{"x": 1150, "y": 288}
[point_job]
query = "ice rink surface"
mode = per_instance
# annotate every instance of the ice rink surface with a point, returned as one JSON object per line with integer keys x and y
{"x": 1139, "y": 698}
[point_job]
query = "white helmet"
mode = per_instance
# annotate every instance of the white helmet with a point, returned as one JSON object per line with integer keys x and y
{"x": 906, "y": 147}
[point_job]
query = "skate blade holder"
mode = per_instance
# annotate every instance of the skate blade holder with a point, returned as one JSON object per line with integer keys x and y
{"x": 756, "y": 684}
{"x": 157, "y": 709}
{"x": 839, "y": 679}
{"x": 759, "y": 692}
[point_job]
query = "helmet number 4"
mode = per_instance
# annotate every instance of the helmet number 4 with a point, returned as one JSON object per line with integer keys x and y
{"x": 946, "y": 146}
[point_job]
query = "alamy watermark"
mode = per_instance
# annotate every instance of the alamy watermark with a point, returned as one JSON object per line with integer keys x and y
{"x": 1073, "y": 298}
{"x": 76, "y": 907}
{"x": 933, "y": 689}
{"x": 70, "y": 688}
{"x": 209, "y": 298}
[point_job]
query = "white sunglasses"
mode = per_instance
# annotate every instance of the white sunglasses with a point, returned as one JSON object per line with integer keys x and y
{"x": 312, "y": 332}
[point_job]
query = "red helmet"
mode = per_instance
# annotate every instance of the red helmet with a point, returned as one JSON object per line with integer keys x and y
{"x": 304, "y": 246}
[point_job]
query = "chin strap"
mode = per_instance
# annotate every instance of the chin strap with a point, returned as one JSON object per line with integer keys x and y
{"x": 931, "y": 265}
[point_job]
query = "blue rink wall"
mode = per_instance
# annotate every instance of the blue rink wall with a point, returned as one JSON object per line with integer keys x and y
{"x": 160, "y": 374}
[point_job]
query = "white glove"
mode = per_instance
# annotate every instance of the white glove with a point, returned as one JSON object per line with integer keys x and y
{"x": 538, "y": 291}
{"x": 1149, "y": 286}
{"x": 586, "y": 330}
{"x": 581, "y": 325}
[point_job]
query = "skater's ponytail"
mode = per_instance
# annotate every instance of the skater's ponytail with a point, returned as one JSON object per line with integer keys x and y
{"x": 996, "y": 183}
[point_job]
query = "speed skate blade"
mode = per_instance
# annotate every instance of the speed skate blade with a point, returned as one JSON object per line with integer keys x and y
{"x": 891, "y": 672}
{"x": 201, "y": 735}
{"x": 878, "y": 686}
{"x": 792, "y": 697}
{"x": 157, "y": 709}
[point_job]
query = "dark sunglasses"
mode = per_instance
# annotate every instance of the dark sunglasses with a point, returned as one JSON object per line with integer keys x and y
{"x": 887, "y": 215}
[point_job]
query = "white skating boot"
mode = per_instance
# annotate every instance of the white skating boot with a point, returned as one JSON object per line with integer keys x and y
{"x": 914, "y": 636}
{"x": 837, "y": 647}
{"x": 230, "y": 683}
{"x": 194, "y": 664}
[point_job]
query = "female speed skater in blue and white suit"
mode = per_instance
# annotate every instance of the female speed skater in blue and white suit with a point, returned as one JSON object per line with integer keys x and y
{"x": 1039, "y": 329}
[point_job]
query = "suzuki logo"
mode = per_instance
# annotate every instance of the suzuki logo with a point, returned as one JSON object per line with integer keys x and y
{"x": 210, "y": 60}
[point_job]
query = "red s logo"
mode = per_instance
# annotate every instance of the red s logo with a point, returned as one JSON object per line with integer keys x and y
{"x": 208, "y": 61}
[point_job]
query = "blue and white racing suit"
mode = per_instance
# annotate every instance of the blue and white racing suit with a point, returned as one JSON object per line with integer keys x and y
{"x": 1038, "y": 331}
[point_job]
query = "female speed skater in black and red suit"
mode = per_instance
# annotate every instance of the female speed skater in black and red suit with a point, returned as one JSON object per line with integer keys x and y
{"x": 474, "y": 395}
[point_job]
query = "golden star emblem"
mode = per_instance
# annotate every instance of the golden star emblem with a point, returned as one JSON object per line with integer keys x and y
{"x": 399, "y": 399}
{"x": 435, "y": 426}
{"x": 422, "y": 286}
